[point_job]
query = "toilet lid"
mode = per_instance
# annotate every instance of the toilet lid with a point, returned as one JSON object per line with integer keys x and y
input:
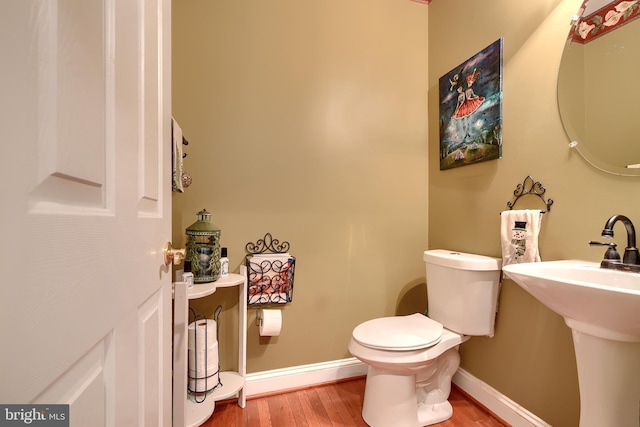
{"x": 411, "y": 332}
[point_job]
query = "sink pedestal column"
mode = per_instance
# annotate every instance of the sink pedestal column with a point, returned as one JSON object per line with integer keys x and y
{"x": 609, "y": 380}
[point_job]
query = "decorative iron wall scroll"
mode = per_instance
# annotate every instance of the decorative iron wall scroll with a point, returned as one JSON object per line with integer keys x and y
{"x": 270, "y": 271}
{"x": 530, "y": 187}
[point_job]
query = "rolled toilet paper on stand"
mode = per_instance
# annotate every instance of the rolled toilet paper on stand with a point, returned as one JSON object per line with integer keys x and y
{"x": 203, "y": 370}
{"x": 203, "y": 363}
{"x": 202, "y": 333}
{"x": 270, "y": 323}
{"x": 202, "y": 344}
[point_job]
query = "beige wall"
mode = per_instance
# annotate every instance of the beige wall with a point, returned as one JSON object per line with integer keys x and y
{"x": 309, "y": 120}
{"x": 531, "y": 358}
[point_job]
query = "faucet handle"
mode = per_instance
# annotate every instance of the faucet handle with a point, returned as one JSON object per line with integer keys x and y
{"x": 611, "y": 253}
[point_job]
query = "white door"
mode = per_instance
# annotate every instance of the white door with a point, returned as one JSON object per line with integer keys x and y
{"x": 85, "y": 299}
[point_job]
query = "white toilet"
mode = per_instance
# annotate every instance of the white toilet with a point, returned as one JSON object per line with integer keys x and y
{"x": 411, "y": 359}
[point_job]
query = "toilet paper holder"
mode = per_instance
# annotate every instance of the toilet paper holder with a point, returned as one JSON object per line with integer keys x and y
{"x": 258, "y": 316}
{"x": 269, "y": 325}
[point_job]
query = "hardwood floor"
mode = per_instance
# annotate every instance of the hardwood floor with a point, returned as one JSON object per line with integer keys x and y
{"x": 331, "y": 405}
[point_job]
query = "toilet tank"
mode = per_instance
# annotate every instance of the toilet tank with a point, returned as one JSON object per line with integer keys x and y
{"x": 462, "y": 290}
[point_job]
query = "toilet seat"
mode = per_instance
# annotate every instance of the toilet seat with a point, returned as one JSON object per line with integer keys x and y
{"x": 399, "y": 333}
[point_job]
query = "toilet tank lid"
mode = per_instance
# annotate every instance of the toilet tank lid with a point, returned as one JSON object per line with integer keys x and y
{"x": 461, "y": 260}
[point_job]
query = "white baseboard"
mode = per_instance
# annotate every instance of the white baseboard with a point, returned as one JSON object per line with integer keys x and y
{"x": 505, "y": 408}
{"x": 302, "y": 376}
{"x": 279, "y": 380}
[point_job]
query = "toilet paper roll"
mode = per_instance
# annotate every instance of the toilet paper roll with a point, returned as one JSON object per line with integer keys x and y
{"x": 203, "y": 363}
{"x": 201, "y": 334}
{"x": 203, "y": 369}
{"x": 270, "y": 323}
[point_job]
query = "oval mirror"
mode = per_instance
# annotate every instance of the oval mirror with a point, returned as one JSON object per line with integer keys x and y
{"x": 598, "y": 87}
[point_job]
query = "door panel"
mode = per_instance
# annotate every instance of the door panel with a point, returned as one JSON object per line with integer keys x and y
{"x": 83, "y": 384}
{"x": 85, "y": 298}
{"x": 150, "y": 153}
{"x": 70, "y": 56}
{"x": 150, "y": 363}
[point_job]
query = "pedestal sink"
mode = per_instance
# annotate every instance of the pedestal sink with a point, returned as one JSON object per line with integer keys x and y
{"x": 602, "y": 308}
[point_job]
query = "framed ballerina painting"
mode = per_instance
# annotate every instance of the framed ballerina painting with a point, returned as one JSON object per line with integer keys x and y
{"x": 471, "y": 110}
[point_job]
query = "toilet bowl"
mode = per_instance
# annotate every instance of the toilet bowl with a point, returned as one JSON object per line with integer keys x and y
{"x": 412, "y": 359}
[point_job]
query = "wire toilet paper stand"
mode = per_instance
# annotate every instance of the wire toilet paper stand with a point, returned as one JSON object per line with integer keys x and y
{"x": 200, "y": 395}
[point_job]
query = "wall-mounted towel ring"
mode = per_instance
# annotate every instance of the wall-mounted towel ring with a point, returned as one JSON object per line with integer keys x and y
{"x": 530, "y": 187}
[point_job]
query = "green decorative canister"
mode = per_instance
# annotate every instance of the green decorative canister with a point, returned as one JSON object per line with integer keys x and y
{"x": 203, "y": 248}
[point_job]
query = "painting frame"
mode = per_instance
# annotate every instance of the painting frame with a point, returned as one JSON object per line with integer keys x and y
{"x": 470, "y": 109}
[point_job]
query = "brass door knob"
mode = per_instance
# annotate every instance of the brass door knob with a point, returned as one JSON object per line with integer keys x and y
{"x": 175, "y": 255}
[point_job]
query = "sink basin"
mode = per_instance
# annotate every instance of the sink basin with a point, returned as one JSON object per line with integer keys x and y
{"x": 602, "y": 308}
{"x": 594, "y": 300}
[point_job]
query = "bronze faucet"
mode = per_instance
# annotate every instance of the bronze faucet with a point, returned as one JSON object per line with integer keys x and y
{"x": 631, "y": 254}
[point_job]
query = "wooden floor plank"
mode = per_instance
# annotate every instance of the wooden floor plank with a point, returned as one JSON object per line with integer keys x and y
{"x": 263, "y": 413}
{"x": 280, "y": 411}
{"x": 296, "y": 410}
{"x": 252, "y": 416}
{"x": 313, "y": 408}
{"x": 352, "y": 396}
{"x": 227, "y": 415}
{"x": 335, "y": 408}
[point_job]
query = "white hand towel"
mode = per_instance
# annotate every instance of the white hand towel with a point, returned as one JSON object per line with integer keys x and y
{"x": 176, "y": 133}
{"x": 519, "y": 235}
